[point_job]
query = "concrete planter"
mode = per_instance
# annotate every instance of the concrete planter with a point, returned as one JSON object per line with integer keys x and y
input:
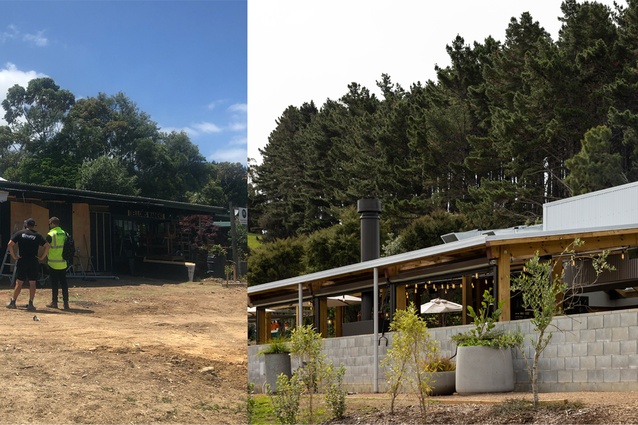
{"x": 443, "y": 383}
{"x": 484, "y": 370}
{"x": 275, "y": 365}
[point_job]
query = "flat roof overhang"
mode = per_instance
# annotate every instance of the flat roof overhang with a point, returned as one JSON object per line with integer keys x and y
{"x": 454, "y": 259}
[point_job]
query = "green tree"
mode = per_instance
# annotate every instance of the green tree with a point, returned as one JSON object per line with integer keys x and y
{"x": 544, "y": 293}
{"x": 35, "y": 113}
{"x": 412, "y": 350}
{"x": 306, "y": 345}
{"x": 595, "y": 167}
{"x": 276, "y": 260}
{"x": 106, "y": 175}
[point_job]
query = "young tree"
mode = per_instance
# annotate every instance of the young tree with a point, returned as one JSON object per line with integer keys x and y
{"x": 544, "y": 294}
{"x": 412, "y": 351}
{"x": 306, "y": 344}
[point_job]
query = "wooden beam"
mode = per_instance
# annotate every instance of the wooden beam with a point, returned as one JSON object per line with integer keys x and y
{"x": 503, "y": 271}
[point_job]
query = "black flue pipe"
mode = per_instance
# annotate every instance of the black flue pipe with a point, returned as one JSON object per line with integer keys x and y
{"x": 370, "y": 244}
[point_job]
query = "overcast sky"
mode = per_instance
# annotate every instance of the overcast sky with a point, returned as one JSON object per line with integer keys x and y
{"x": 303, "y": 50}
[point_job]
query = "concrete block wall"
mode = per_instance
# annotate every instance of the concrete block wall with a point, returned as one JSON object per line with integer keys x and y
{"x": 588, "y": 352}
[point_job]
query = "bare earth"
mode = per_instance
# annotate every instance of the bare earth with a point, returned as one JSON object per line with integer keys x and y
{"x": 557, "y": 408}
{"x": 129, "y": 351}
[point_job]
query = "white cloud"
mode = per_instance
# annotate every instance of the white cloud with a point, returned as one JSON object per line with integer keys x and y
{"x": 212, "y": 105}
{"x": 38, "y": 39}
{"x": 207, "y": 128}
{"x": 237, "y": 126}
{"x": 229, "y": 155}
{"x": 238, "y": 107}
{"x": 13, "y": 33}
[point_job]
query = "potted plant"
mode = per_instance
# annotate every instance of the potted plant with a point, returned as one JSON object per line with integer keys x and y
{"x": 216, "y": 260}
{"x": 484, "y": 355}
{"x": 443, "y": 376}
{"x": 277, "y": 361}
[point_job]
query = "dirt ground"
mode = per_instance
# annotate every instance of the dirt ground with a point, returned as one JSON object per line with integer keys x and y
{"x": 128, "y": 351}
{"x": 504, "y": 408}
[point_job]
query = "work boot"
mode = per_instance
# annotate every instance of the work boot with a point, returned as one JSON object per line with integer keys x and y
{"x": 30, "y": 306}
{"x": 11, "y": 304}
{"x": 53, "y": 305}
{"x": 66, "y": 306}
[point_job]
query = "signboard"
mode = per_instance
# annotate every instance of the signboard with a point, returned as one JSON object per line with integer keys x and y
{"x": 243, "y": 215}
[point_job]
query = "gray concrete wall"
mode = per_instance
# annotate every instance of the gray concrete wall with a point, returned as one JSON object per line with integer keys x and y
{"x": 588, "y": 352}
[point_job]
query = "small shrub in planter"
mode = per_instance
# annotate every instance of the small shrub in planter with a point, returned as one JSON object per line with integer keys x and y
{"x": 484, "y": 357}
{"x": 443, "y": 376}
{"x": 277, "y": 359}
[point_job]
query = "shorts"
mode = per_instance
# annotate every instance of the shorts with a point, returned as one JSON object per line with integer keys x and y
{"x": 27, "y": 269}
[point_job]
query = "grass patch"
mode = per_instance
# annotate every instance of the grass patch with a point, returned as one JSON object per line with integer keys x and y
{"x": 253, "y": 240}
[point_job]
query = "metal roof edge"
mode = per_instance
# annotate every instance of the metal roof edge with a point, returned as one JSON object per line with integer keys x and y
{"x": 10, "y": 185}
{"x": 543, "y": 233}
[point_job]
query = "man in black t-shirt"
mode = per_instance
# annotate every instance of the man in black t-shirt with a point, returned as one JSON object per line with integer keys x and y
{"x": 27, "y": 266}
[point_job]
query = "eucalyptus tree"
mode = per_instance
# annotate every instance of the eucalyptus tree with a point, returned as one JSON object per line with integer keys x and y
{"x": 35, "y": 114}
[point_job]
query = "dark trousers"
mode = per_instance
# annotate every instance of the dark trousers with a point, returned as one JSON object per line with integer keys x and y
{"x": 58, "y": 278}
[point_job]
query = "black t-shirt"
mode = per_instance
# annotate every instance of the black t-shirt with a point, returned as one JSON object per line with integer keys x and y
{"x": 28, "y": 242}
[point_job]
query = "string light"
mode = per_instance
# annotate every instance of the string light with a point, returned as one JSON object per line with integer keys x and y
{"x": 453, "y": 286}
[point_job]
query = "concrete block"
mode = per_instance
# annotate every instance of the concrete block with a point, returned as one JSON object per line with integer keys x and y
{"x": 572, "y": 337}
{"x": 619, "y": 361}
{"x": 611, "y": 375}
{"x": 620, "y": 334}
{"x": 579, "y": 349}
{"x": 595, "y": 349}
{"x": 587, "y": 362}
{"x": 557, "y": 363}
{"x": 564, "y": 323}
{"x": 611, "y": 320}
{"x": 603, "y": 334}
{"x": 572, "y": 363}
{"x": 547, "y": 376}
{"x": 629, "y": 375}
{"x": 603, "y": 362}
{"x": 564, "y": 350}
{"x": 612, "y": 347}
{"x": 579, "y": 323}
{"x": 628, "y": 346}
{"x": 579, "y": 376}
{"x": 595, "y": 321}
{"x": 633, "y": 332}
{"x": 588, "y": 335}
{"x": 595, "y": 376}
{"x": 564, "y": 376}
{"x": 629, "y": 318}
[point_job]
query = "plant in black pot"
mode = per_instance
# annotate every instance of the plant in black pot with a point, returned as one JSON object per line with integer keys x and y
{"x": 484, "y": 358}
{"x": 277, "y": 361}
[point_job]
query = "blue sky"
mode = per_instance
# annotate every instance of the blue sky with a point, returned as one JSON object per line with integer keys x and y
{"x": 182, "y": 62}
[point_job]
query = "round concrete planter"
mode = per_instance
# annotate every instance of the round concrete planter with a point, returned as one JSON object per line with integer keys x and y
{"x": 276, "y": 364}
{"x": 484, "y": 370}
{"x": 443, "y": 383}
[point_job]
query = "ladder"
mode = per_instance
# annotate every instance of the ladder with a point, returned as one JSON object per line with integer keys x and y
{"x": 7, "y": 261}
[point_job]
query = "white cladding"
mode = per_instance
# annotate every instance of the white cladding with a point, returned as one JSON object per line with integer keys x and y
{"x": 609, "y": 207}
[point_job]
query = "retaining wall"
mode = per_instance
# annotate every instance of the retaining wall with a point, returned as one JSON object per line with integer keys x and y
{"x": 588, "y": 352}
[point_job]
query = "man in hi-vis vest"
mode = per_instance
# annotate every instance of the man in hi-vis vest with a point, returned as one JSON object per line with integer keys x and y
{"x": 57, "y": 264}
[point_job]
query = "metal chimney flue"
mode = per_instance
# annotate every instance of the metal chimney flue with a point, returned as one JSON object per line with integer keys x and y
{"x": 370, "y": 244}
{"x": 370, "y": 228}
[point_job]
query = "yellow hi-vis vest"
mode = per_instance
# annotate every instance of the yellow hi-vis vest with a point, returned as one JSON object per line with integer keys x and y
{"x": 57, "y": 245}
